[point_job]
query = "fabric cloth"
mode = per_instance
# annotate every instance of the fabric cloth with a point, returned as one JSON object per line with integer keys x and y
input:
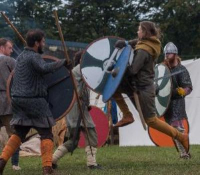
{"x": 70, "y": 135}
{"x": 91, "y": 156}
{"x": 59, "y": 153}
{"x": 142, "y": 72}
{"x": 7, "y": 65}
{"x": 5, "y": 121}
{"x": 140, "y": 75}
{"x": 11, "y": 147}
{"x": 122, "y": 104}
{"x": 46, "y": 152}
{"x": 29, "y": 90}
{"x": 22, "y": 131}
{"x": 15, "y": 158}
{"x": 113, "y": 111}
{"x": 84, "y": 94}
{"x": 151, "y": 45}
{"x": 176, "y": 109}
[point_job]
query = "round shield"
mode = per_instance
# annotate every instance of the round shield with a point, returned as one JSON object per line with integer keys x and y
{"x": 163, "y": 140}
{"x": 164, "y": 87}
{"x": 96, "y": 59}
{"x": 114, "y": 78}
{"x": 61, "y": 94}
{"x": 102, "y": 127}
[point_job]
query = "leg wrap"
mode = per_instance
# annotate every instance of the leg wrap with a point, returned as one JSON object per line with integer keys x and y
{"x": 12, "y": 145}
{"x": 162, "y": 126}
{"x": 180, "y": 148}
{"x": 91, "y": 157}
{"x": 179, "y": 126}
{"x": 59, "y": 153}
{"x": 122, "y": 105}
{"x": 46, "y": 152}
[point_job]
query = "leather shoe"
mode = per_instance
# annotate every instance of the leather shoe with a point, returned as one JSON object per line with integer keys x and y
{"x": 95, "y": 167}
{"x": 54, "y": 166}
{"x": 47, "y": 170}
{"x": 125, "y": 121}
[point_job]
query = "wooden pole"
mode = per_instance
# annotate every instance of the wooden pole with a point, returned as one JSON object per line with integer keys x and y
{"x": 73, "y": 80}
{"x": 13, "y": 27}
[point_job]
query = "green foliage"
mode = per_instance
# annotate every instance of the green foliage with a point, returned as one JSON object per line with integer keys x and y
{"x": 142, "y": 160}
{"x": 179, "y": 23}
{"x": 87, "y": 20}
{"x": 29, "y": 14}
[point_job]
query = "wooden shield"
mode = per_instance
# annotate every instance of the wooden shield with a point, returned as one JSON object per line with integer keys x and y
{"x": 113, "y": 82}
{"x": 95, "y": 60}
{"x": 102, "y": 127}
{"x": 164, "y": 84}
{"x": 61, "y": 94}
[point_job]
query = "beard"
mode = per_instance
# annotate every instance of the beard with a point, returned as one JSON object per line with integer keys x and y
{"x": 40, "y": 50}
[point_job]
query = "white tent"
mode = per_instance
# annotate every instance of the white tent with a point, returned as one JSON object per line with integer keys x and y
{"x": 134, "y": 134}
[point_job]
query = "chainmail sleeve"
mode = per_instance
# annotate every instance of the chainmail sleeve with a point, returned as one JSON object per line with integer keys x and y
{"x": 43, "y": 67}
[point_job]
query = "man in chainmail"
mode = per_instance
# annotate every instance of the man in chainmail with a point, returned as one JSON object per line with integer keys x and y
{"x": 30, "y": 108}
{"x": 75, "y": 125}
{"x": 7, "y": 65}
{"x": 182, "y": 86}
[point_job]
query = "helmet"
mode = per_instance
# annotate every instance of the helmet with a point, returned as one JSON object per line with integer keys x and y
{"x": 170, "y": 48}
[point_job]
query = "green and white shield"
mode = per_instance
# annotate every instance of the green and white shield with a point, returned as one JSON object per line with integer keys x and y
{"x": 96, "y": 59}
{"x": 164, "y": 87}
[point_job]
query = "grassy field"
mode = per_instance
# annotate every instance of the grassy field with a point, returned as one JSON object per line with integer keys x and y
{"x": 119, "y": 161}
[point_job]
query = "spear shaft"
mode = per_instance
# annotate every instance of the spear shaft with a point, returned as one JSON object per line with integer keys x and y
{"x": 14, "y": 28}
{"x": 73, "y": 80}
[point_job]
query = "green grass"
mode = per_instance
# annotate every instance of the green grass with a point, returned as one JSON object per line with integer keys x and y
{"x": 119, "y": 161}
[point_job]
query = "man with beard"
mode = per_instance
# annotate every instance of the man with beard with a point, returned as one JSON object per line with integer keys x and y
{"x": 182, "y": 86}
{"x": 30, "y": 108}
{"x": 7, "y": 65}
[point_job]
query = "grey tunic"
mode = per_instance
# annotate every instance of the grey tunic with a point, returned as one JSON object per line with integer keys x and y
{"x": 29, "y": 90}
{"x": 7, "y": 64}
{"x": 83, "y": 92}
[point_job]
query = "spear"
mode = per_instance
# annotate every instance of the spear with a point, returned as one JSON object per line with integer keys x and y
{"x": 13, "y": 27}
{"x": 72, "y": 77}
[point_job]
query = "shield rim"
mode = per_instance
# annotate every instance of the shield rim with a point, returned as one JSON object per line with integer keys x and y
{"x": 44, "y": 57}
{"x": 119, "y": 38}
{"x": 170, "y": 95}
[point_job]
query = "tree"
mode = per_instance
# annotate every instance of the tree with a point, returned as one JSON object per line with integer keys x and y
{"x": 87, "y": 20}
{"x": 179, "y": 23}
{"x": 30, "y": 14}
